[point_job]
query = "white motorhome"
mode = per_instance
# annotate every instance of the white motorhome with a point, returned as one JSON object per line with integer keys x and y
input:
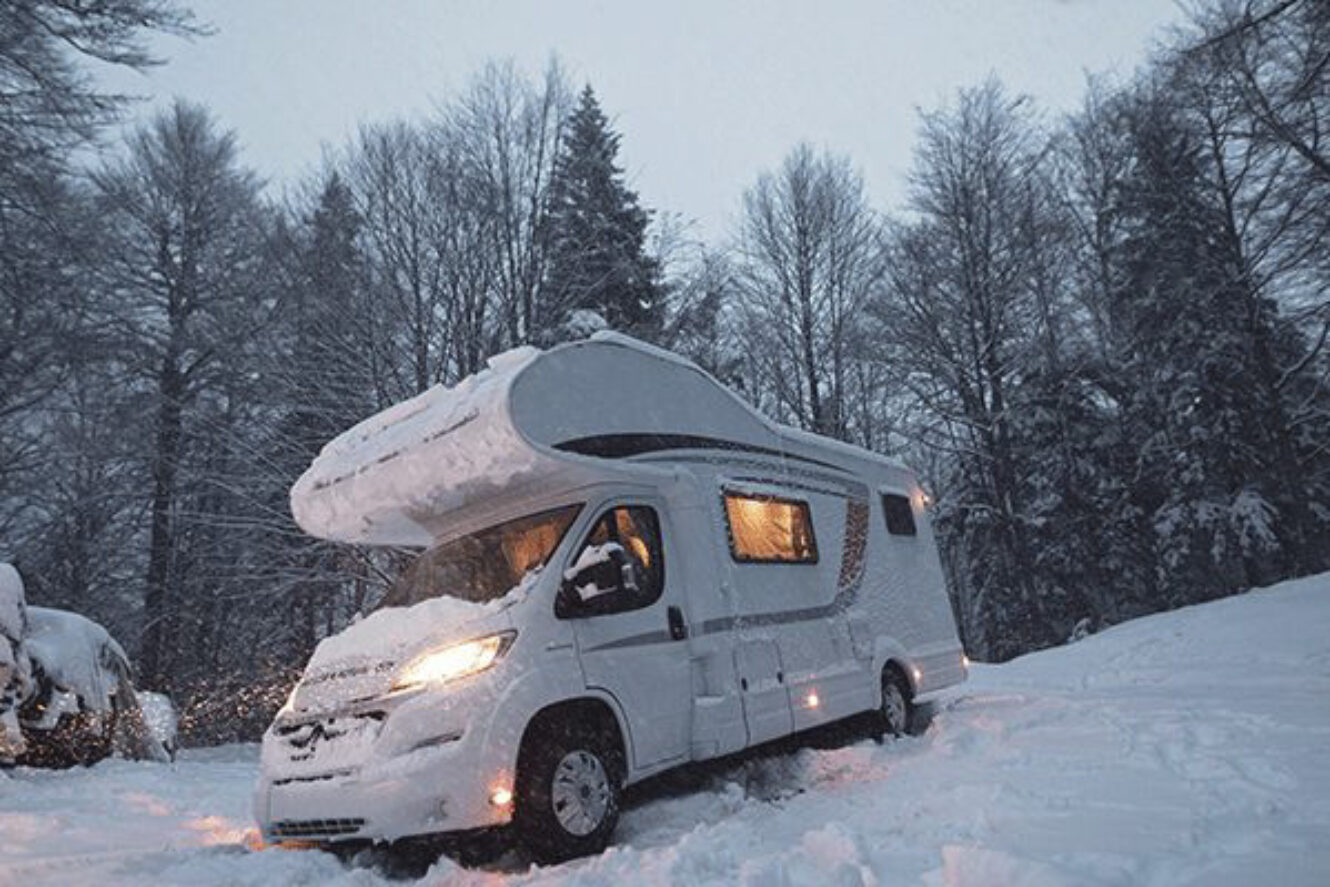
{"x": 626, "y": 568}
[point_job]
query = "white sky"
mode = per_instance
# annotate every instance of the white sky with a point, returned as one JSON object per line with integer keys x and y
{"x": 706, "y": 93}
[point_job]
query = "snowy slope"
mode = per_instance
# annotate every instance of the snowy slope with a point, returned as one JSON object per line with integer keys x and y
{"x": 1187, "y": 748}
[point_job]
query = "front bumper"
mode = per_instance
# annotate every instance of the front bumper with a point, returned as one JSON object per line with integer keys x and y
{"x": 362, "y": 785}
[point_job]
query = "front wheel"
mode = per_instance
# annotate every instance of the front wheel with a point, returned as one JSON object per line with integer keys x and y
{"x": 568, "y": 794}
{"x": 897, "y": 709}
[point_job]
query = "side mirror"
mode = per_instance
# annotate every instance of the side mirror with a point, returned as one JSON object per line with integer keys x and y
{"x": 601, "y": 572}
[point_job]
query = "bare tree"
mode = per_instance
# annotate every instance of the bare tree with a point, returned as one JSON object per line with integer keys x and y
{"x": 183, "y": 232}
{"x": 507, "y": 133}
{"x": 808, "y": 259}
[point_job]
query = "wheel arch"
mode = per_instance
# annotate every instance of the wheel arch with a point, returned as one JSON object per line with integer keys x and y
{"x": 593, "y": 710}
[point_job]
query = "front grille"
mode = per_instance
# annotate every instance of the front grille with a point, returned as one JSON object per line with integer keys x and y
{"x": 314, "y": 828}
{"x": 296, "y": 725}
{"x": 318, "y": 777}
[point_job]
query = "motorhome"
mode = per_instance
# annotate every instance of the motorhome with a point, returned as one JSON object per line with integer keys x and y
{"x": 624, "y": 568}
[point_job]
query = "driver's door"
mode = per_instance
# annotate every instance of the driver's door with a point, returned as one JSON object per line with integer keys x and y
{"x": 629, "y": 624}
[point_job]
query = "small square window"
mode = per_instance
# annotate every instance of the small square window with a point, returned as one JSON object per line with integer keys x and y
{"x": 900, "y": 515}
{"x": 768, "y": 529}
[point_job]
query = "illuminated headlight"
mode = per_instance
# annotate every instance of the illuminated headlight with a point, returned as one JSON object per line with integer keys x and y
{"x": 454, "y": 661}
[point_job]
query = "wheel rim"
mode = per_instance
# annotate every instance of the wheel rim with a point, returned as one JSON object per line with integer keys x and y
{"x": 893, "y": 707}
{"x": 581, "y": 793}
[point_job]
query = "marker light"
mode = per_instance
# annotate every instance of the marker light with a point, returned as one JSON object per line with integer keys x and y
{"x": 454, "y": 661}
{"x": 501, "y": 797}
{"x": 812, "y": 701}
{"x": 918, "y": 675}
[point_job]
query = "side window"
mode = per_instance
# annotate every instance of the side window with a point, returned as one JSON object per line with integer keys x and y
{"x": 900, "y": 516}
{"x": 769, "y": 529}
{"x": 619, "y": 566}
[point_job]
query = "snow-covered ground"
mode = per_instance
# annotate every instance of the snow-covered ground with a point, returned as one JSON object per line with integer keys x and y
{"x": 1187, "y": 748}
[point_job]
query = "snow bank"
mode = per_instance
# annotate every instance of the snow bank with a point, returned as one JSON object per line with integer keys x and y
{"x": 73, "y": 652}
{"x": 1187, "y": 748}
{"x": 381, "y": 480}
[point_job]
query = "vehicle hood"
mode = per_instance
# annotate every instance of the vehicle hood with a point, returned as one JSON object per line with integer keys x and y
{"x": 359, "y": 663}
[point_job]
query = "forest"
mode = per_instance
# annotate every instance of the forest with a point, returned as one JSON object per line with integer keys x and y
{"x": 1101, "y": 337}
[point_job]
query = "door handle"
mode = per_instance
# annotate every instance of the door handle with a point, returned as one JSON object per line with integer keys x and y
{"x": 678, "y": 630}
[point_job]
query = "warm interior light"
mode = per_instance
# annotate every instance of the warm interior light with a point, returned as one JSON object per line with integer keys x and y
{"x": 812, "y": 700}
{"x": 501, "y": 797}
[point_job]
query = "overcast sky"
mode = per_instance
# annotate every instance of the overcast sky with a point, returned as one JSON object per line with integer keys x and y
{"x": 706, "y": 93}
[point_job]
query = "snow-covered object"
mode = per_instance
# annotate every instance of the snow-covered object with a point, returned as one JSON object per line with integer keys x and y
{"x": 159, "y": 717}
{"x": 15, "y": 672}
{"x": 11, "y": 603}
{"x": 528, "y": 421}
{"x": 76, "y": 653}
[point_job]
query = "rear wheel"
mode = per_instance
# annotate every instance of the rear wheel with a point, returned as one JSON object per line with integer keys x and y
{"x": 897, "y": 709}
{"x": 568, "y": 792}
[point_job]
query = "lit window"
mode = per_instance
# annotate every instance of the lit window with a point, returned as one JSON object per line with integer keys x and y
{"x": 770, "y": 529}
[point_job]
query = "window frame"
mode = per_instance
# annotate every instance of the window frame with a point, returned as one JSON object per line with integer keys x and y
{"x": 802, "y": 504}
{"x": 612, "y": 604}
{"x": 913, "y": 531}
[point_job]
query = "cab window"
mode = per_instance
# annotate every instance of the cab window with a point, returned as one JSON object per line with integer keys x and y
{"x": 619, "y": 566}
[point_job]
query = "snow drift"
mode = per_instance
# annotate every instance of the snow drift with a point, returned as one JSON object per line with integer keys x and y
{"x": 1184, "y": 748}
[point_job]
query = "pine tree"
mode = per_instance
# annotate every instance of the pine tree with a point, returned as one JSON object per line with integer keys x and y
{"x": 1204, "y": 467}
{"x": 596, "y": 233}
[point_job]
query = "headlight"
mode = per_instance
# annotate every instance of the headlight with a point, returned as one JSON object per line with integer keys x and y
{"x": 454, "y": 661}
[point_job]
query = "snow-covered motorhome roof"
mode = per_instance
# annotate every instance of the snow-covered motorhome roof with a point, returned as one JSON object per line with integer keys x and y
{"x": 532, "y": 417}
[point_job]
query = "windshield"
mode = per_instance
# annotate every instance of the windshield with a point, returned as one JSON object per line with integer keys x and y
{"x": 483, "y": 566}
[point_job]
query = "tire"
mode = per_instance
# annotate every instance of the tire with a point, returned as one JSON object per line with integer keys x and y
{"x": 896, "y": 711}
{"x": 568, "y": 787}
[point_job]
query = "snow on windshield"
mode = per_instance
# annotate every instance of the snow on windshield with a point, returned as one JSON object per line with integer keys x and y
{"x": 450, "y": 585}
{"x": 485, "y": 565}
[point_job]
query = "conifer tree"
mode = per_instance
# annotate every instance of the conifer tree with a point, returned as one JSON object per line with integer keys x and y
{"x": 596, "y": 234}
{"x": 1205, "y": 473}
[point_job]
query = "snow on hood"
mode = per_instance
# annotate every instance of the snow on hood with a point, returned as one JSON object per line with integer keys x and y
{"x": 395, "y": 634}
{"x": 11, "y": 602}
{"x": 422, "y": 456}
{"x": 76, "y": 653}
